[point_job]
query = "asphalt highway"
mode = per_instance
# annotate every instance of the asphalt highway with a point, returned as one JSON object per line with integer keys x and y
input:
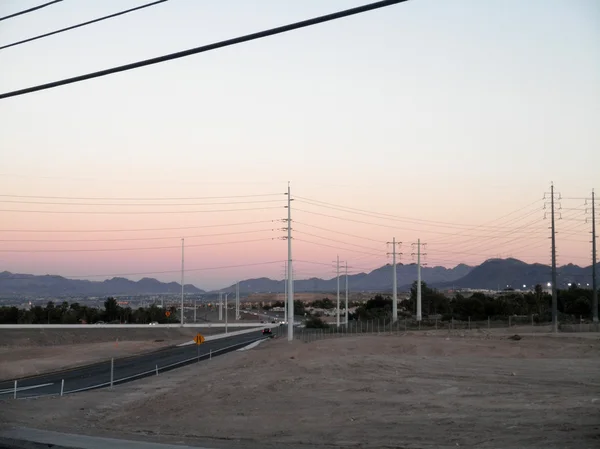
{"x": 126, "y": 369}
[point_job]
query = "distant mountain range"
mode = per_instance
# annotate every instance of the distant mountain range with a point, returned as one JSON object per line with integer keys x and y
{"x": 492, "y": 274}
{"x": 49, "y": 285}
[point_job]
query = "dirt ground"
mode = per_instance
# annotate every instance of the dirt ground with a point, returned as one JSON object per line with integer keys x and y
{"x": 392, "y": 391}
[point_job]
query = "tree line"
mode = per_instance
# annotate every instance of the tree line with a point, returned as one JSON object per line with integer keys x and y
{"x": 76, "y": 313}
{"x": 572, "y": 302}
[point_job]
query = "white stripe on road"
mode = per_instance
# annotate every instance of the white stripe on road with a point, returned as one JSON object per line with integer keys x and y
{"x": 12, "y": 390}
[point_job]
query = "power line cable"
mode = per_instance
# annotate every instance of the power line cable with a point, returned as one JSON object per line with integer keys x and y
{"x": 222, "y": 267}
{"x": 204, "y": 48}
{"x": 355, "y": 210}
{"x": 49, "y": 203}
{"x": 79, "y": 25}
{"x": 26, "y": 11}
{"x": 132, "y": 239}
{"x": 97, "y": 198}
{"x": 93, "y": 250}
{"x": 224, "y": 225}
{"x": 138, "y": 212}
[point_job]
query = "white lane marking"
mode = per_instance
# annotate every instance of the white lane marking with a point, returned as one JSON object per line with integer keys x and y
{"x": 12, "y": 390}
{"x": 251, "y": 345}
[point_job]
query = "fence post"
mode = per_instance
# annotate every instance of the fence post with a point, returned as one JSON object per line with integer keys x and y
{"x": 532, "y": 320}
{"x": 436, "y": 323}
{"x": 452, "y": 321}
{"x": 157, "y": 370}
{"x": 15, "y": 393}
{"x": 62, "y": 387}
{"x": 112, "y": 371}
{"x": 469, "y": 323}
{"x": 509, "y": 320}
{"x": 210, "y": 355}
{"x": 489, "y": 323}
{"x": 405, "y": 324}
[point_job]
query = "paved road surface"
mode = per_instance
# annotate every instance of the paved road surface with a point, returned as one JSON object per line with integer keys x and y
{"x": 127, "y": 369}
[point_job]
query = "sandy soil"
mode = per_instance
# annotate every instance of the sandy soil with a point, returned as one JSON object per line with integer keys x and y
{"x": 409, "y": 391}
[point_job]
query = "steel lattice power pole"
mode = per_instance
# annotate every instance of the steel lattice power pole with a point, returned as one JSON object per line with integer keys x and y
{"x": 290, "y": 274}
{"x": 594, "y": 285}
{"x": 394, "y": 279}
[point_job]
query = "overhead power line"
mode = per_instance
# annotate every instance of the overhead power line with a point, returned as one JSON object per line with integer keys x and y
{"x": 108, "y": 198}
{"x": 205, "y": 48}
{"x": 224, "y": 225}
{"x": 221, "y": 267}
{"x": 79, "y": 25}
{"x": 35, "y": 8}
{"x": 133, "y": 239}
{"x": 220, "y": 203}
{"x": 93, "y": 250}
{"x": 138, "y": 212}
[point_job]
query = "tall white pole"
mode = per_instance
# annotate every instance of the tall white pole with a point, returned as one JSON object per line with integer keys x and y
{"x": 182, "y": 281}
{"x": 195, "y": 309}
{"x": 338, "y": 290}
{"x": 394, "y": 284}
{"x": 346, "y": 313}
{"x": 285, "y": 298}
{"x": 419, "y": 280}
{"x": 226, "y": 312}
{"x": 220, "y": 306}
{"x": 290, "y": 275}
{"x": 237, "y": 301}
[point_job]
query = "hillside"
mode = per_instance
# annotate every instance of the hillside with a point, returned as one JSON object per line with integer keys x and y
{"x": 379, "y": 279}
{"x": 49, "y": 285}
{"x": 496, "y": 274}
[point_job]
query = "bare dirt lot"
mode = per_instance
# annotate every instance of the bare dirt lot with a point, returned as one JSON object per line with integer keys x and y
{"x": 26, "y": 352}
{"x": 409, "y": 391}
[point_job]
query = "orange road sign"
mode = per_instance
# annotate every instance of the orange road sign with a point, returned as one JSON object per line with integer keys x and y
{"x": 199, "y": 339}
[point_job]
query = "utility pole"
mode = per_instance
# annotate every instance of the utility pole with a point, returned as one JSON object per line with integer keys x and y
{"x": 338, "y": 291}
{"x": 346, "y": 293}
{"x": 594, "y": 285}
{"x": 220, "y": 306}
{"x": 554, "y": 282}
{"x": 195, "y": 309}
{"x": 182, "y": 280}
{"x": 285, "y": 299}
{"x": 419, "y": 254}
{"x": 394, "y": 280}
{"x": 226, "y": 312}
{"x": 290, "y": 275}
{"x": 237, "y": 299}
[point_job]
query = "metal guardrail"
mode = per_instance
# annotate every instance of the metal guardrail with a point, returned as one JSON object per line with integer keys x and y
{"x": 128, "y": 326}
{"x": 154, "y": 372}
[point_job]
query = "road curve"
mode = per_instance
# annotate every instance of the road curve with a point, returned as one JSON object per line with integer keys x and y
{"x": 98, "y": 375}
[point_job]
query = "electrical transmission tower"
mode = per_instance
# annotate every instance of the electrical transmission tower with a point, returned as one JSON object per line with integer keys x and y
{"x": 419, "y": 253}
{"x": 290, "y": 271}
{"x": 594, "y": 284}
{"x": 394, "y": 253}
{"x": 554, "y": 204}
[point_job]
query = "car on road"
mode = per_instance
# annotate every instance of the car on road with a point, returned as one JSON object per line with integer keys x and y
{"x": 267, "y": 331}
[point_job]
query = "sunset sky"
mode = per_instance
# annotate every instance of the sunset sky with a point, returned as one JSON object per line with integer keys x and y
{"x": 444, "y": 121}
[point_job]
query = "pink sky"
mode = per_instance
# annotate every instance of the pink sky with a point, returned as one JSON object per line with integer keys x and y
{"x": 449, "y": 114}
